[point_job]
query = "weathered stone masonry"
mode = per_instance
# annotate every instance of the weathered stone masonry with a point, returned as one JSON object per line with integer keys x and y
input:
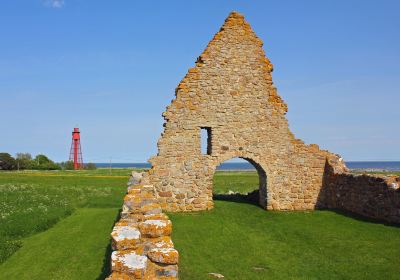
{"x": 141, "y": 242}
{"x": 230, "y": 92}
{"x": 372, "y": 196}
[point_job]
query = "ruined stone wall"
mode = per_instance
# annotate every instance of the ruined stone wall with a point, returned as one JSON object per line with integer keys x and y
{"x": 230, "y": 92}
{"x": 372, "y": 196}
{"x": 141, "y": 242}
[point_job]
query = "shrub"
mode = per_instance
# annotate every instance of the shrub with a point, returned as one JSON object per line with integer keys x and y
{"x": 68, "y": 165}
{"x": 41, "y": 162}
{"x": 90, "y": 166}
{"x": 7, "y": 162}
{"x": 24, "y": 160}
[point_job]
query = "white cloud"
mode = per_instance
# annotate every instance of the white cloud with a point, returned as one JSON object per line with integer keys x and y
{"x": 57, "y": 4}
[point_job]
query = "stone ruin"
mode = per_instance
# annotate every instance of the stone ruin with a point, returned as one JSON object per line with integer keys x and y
{"x": 141, "y": 242}
{"x": 229, "y": 94}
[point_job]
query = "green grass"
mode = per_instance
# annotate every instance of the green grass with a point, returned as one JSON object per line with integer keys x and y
{"x": 56, "y": 225}
{"x": 75, "y": 248}
{"x": 79, "y": 173}
{"x": 31, "y": 202}
{"x": 235, "y": 181}
{"x": 242, "y": 241}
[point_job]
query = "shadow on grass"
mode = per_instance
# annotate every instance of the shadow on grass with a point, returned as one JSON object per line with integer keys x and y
{"x": 358, "y": 217}
{"x": 253, "y": 198}
{"x": 106, "y": 269}
{"x": 250, "y": 198}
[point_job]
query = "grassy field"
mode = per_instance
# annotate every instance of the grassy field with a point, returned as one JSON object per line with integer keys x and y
{"x": 242, "y": 241}
{"x": 56, "y": 225}
{"x": 238, "y": 182}
{"x": 78, "y": 208}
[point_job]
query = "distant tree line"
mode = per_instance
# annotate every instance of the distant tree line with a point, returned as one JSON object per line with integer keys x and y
{"x": 25, "y": 161}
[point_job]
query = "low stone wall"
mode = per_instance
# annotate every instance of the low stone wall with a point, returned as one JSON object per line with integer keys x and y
{"x": 141, "y": 242}
{"x": 372, "y": 196}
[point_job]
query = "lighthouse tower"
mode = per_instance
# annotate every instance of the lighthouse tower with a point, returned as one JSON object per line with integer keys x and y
{"x": 75, "y": 154}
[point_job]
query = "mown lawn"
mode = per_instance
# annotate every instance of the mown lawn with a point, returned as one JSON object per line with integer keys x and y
{"x": 242, "y": 241}
{"x": 235, "y": 181}
{"x": 33, "y": 202}
{"x": 56, "y": 225}
{"x": 75, "y": 248}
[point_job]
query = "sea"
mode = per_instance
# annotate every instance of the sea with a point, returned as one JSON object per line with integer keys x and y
{"x": 354, "y": 165}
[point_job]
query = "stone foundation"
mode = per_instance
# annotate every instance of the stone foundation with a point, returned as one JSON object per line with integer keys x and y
{"x": 141, "y": 242}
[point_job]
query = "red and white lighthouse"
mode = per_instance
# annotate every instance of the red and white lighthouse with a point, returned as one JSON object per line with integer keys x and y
{"x": 75, "y": 153}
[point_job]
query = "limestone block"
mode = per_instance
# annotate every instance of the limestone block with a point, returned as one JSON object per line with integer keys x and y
{"x": 135, "y": 178}
{"x": 119, "y": 276}
{"x": 132, "y": 217}
{"x": 216, "y": 275}
{"x": 164, "y": 255}
{"x": 164, "y": 271}
{"x": 134, "y": 189}
{"x": 160, "y": 216}
{"x": 124, "y": 237}
{"x": 150, "y": 209}
{"x": 156, "y": 242}
{"x": 130, "y": 263}
{"x": 155, "y": 228}
{"x": 165, "y": 194}
{"x": 133, "y": 201}
{"x": 126, "y": 222}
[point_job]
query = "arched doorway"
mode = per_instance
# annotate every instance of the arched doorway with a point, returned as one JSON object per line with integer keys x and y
{"x": 241, "y": 178}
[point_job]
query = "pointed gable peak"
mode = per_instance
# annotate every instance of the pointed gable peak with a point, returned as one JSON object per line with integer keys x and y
{"x": 235, "y": 15}
{"x": 235, "y": 26}
{"x": 235, "y": 31}
{"x": 235, "y": 20}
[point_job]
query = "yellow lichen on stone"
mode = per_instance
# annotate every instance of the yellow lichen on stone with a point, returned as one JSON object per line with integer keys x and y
{"x": 164, "y": 255}
{"x": 230, "y": 92}
{"x": 155, "y": 228}
{"x": 142, "y": 230}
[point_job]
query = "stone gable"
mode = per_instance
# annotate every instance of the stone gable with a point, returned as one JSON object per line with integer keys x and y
{"x": 230, "y": 94}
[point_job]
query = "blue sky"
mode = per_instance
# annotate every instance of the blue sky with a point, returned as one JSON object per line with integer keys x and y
{"x": 111, "y": 67}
